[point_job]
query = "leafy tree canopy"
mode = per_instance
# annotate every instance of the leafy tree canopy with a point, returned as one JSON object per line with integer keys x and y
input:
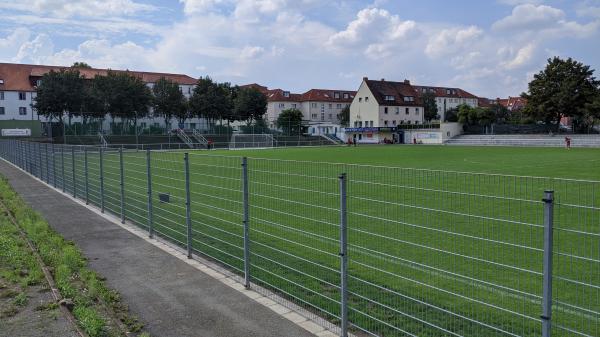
{"x": 59, "y": 93}
{"x": 430, "y": 106}
{"x": 344, "y": 116}
{"x": 82, "y": 65}
{"x": 290, "y": 121}
{"x": 563, "y": 88}
{"x": 250, "y": 104}
{"x": 168, "y": 101}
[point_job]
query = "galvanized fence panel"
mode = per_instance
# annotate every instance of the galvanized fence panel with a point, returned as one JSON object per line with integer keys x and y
{"x": 428, "y": 252}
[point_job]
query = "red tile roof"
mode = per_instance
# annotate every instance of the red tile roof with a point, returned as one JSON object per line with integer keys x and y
{"x": 514, "y": 103}
{"x": 327, "y": 95}
{"x": 320, "y": 95}
{"x": 398, "y": 90}
{"x": 443, "y": 91}
{"x": 19, "y": 77}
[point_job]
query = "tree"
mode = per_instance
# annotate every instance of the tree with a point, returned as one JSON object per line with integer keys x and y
{"x": 250, "y": 104}
{"x": 168, "y": 101}
{"x": 290, "y": 121}
{"x": 211, "y": 100}
{"x": 122, "y": 95}
{"x": 344, "y": 116}
{"x": 81, "y": 65}
{"x": 466, "y": 115}
{"x": 430, "y": 106}
{"x": 592, "y": 112}
{"x": 451, "y": 115}
{"x": 563, "y": 88}
{"x": 61, "y": 93}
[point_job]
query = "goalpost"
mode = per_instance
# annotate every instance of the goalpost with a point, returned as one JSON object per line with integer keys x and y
{"x": 242, "y": 141}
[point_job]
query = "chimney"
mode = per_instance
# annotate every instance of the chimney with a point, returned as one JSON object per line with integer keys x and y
{"x": 406, "y": 82}
{"x": 365, "y": 78}
{"x": 383, "y": 80}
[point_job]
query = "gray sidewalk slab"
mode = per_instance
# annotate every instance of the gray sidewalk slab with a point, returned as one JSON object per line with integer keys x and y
{"x": 169, "y": 296}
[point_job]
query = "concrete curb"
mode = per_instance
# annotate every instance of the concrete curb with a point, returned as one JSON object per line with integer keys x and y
{"x": 299, "y": 316}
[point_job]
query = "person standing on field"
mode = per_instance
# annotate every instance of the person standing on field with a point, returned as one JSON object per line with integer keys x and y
{"x": 568, "y": 142}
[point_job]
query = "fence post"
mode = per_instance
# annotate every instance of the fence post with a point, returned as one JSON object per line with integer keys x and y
{"x": 62, "y": 166}
{"x": 102, "y": 180}
{"x": 54, "y": 165}
{"x": 343, "y": 257}
{"x": 188, "y": 219}
{"x": 73, "y": 171}
{"x": 39, "y": 150}
{"x": 246, "y": 224}
{"x": 85, "y": 169}
{"x": 47, "y": 166}
{"x": 122, "y": 185}
{"x": 548, "y": 244}
{"x": 149, "y": 179}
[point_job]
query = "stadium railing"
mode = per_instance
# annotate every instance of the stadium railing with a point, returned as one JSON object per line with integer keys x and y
{"x": 381, "y": 251}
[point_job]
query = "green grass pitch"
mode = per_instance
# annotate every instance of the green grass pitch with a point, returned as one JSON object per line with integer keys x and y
{"x": 434, "y": 250}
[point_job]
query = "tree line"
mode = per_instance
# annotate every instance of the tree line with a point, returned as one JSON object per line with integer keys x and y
{"x": 120, "y": 94}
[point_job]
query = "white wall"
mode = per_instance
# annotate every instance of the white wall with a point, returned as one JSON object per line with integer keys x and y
{"x": 451, "y": 103}
{"x": 450, "y": 130}
{"x": 362, "y": 110}
{"x": 11, "y": 104}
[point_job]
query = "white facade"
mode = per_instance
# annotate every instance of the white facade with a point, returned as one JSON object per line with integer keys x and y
{"x": 17, "y": 105}
{"x": 367, "y": 112}
{"x": 447, "y": 103}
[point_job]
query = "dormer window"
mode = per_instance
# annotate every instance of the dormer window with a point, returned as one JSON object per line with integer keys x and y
{"x": 336, "y": 95}
{"x": 448, "y": 91}
{"x": 1, "y": 81}
{"x": 286, "y": 94}
{"x": 409, "y": 99}
{"x": 389, "y": 98}
{"x": 345, "y": 96}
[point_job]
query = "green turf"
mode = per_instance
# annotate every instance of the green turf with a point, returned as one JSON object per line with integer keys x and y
{"x": 432, "y": 253}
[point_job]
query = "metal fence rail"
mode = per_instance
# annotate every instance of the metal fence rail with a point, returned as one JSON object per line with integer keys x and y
{"x": 380, "y": 251}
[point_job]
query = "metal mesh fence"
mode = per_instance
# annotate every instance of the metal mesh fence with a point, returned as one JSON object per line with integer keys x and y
{"x": 384, "y": 251}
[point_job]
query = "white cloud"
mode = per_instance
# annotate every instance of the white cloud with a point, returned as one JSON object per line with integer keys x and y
{"x": 523, "y": 56}
{"x": 251, "y": 52}
{"x": 103, "y": 54}
{"x": 10, "y": 45}
{"x": 86, "y": 8}
{"x": 200, "y": 6}
{"x": 528, "y": 16}
{"x": 35, "y": 51}
{"x": 451, "y": 41}
{"x": 370, "y": 25}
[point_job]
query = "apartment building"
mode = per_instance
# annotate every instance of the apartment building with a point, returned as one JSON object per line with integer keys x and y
{"x": 18, "y": 84}
{"x": 319, "y": 106}
{"x": 380, "y": 107}
{"x": 448, "y": 98}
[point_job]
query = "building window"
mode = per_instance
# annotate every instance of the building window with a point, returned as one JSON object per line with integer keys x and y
{"x": 394, "y": 123}
{"x": 336, "y": 95}
{"x": 339, "y": 106}
{"x": 360, "y": 99}
{"x": 409, "y": 99}
{"x": 385, "y": 110}
{"x": 417, "y": 111}
{"x": 346, "y": 96}
{"x": 397, "y": 111}
{"x": 322, "y": 108}
{"x": 286, "y": 94}
{"x": 22, "y": 111}
{"x": 330, "y": 106}
{"x": 408, "y": 122}
{"x": 314, "y": 105}
{"x": 389, "y": 98}
{"x": 1, "y": 95}
{"x": 322, "y": 116}
{"x": 282, "y": 105}
{"x": 366, "y": 99}
{"x": 22, "y": 96}
{"x": 385, "y": 123}
{"x": 2, "y": 112}
{"x": 407, "y": 112}
{"x": 314, "y": 116}
{"x": 294, "y": 106}
{"x": 330, "y": 116}
{"x": 402, "y": 121}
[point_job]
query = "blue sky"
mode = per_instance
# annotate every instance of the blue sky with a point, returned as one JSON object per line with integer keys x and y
{"x": 490, "y": 48}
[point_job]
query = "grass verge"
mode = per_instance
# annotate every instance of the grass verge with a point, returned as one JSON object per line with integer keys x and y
{"x": 98, "y": 310}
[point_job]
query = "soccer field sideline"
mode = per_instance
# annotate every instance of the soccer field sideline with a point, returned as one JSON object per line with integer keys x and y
{"x": 423, "y": 323}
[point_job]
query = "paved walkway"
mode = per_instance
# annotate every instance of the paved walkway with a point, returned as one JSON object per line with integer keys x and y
{"x": 171, "y": 297}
